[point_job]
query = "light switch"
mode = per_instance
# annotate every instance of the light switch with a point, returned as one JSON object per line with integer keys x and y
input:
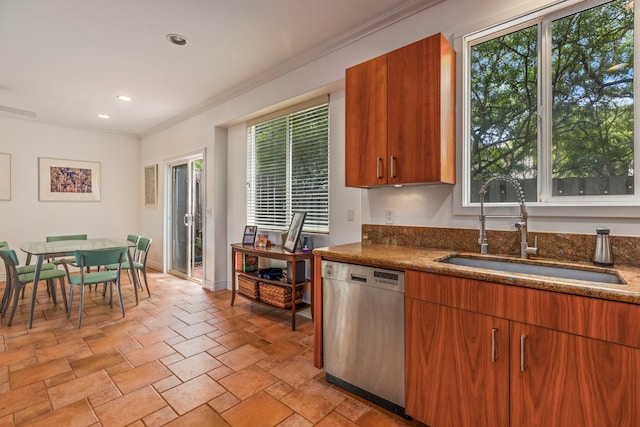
{"x": 351, "y": 214}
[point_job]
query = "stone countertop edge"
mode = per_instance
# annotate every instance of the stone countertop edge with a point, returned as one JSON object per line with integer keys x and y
{"x": 426, "y": 259}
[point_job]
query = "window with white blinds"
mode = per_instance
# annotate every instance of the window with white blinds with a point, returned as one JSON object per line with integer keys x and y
{"x": 288, "y": 169}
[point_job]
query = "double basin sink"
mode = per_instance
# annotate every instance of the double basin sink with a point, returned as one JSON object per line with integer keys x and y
{"x": 537, "y": 269}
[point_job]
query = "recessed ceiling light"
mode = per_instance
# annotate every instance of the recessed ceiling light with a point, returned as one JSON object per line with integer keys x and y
{"x": 103, "y": 116}
{"x": 124, "y": 98}
{"x": 177, "y": 39}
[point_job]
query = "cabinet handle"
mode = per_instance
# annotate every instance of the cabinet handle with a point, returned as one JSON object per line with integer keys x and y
{"x": 378, "y": 167}
{"x": 523, "y": 339}
{"x": 494, "y": 354}
{"x": 392, "y": 165}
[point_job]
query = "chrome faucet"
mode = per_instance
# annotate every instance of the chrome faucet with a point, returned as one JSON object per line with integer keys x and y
{"x": 525, "y": 249}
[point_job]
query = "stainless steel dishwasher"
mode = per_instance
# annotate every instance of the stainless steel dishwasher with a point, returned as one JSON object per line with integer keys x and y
{"x": 363, "y": 331}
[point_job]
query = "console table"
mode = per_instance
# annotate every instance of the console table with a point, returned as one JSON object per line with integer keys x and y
{"x": 274, "y": 252}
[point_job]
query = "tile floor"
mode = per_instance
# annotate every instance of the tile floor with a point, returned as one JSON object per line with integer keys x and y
{"x": 183, "y": 357}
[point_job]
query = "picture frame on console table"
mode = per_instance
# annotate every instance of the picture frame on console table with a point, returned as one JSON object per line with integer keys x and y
{"x": 249, "y": 236}
{"x": 295, "y": 229}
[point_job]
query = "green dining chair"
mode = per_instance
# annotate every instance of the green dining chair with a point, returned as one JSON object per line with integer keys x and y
{"x": 16, "y": 282}
{"x": 85, "y": 259}
{"x": 139, "y": 262}
{"x": 22, "y": 269}
{"x": 68, "y": 256}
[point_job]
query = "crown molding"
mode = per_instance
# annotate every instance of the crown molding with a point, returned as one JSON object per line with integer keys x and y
{"x": 398, "y": 13}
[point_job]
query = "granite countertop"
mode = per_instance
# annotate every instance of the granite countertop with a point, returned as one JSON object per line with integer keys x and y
{"x": 426, "y": 259}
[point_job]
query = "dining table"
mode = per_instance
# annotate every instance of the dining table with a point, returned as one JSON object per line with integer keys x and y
{"x": 44, "y": 250}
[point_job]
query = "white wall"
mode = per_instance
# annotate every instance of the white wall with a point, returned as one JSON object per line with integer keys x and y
{"x": 418, "y": 205}
{"x": 25, "y": 218}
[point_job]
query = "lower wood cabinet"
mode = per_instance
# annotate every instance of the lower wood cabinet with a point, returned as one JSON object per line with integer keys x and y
{"x": 561, "y": 379}
{"x": 471, "y": 364}
{"x": 457, "y": 375}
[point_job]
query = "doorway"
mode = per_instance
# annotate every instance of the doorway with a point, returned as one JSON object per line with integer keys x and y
{"x": 185, "y": 246}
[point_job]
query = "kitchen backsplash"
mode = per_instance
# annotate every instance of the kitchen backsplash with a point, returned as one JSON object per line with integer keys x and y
{"x": 560, "y": 246}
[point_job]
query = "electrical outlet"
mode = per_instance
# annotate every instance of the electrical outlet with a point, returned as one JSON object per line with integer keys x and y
{"x": 389, "y": 216}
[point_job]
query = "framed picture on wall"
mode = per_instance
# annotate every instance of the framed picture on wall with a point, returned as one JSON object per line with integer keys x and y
{"x": 63, "y": 180}
{"x": 295, "y": 228}
{"x": 151, "y": 186}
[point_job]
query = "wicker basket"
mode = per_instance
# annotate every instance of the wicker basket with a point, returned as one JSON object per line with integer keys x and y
{"x": 248, "y": 287}
{"x": 280, "y": 296}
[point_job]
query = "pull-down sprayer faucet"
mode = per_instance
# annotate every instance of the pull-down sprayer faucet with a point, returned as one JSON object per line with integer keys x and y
{"x": 525, "y": 249}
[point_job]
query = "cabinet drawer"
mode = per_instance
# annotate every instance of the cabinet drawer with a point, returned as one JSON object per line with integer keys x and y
{"x": 467, "y": 294}
{"x": 612, "y": 321}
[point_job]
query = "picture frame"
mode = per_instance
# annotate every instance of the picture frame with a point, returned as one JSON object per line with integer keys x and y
{"x": 62, "y": 180}
{"x": 249, "y": 236}
{"x": 295, "y": 229}
{"x": 151, "y": 186}
{"x": 5, "y": 176}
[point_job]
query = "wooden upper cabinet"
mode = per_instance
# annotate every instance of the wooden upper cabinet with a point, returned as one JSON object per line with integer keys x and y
{"x": 366, "y": 116}
{"x": 400, "y": 116}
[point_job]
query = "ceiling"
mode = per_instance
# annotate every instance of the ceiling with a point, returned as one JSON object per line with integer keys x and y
{"x": 67, "y": 60}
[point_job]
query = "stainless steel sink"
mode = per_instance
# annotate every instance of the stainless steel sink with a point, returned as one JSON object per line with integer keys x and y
{"x": 516, "y": 266}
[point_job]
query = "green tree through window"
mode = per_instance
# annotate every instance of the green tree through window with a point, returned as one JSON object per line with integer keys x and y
{"x": 582, "y": 114}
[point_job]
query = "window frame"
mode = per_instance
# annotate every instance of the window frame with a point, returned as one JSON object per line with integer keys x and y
{"x": 542, "y": 17}
{"x": 319, "y": 102}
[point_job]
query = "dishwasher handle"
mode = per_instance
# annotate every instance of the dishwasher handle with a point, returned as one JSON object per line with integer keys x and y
{"x": 358, "y": 278}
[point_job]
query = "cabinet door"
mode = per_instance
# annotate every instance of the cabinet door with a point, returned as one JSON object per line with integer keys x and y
{"x": 566, "y": 379}
{"x": 366, "y": 124}
{"x": 457, "y": 366}
{"x": 421, "y": 109}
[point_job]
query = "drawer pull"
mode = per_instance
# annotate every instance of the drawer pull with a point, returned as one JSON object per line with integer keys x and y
{"x": 523, "y": 339}
{"x": 494, "y": 354}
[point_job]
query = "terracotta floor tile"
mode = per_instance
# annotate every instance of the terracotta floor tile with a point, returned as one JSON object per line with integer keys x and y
{"x": 352, "y": 409}
{"x": 79, "y": 389}
{"x": 197, "y": 329}
{"x": 313, "y": 401}
{"x": 295, "y": 372}
{"x": 194, "y": 366}
{"x": 239, "y": 338}
{"x": 193, "y": 393}
{"x": 31, "y": 412}
{"x": 242, "y": 357}
{"x": 279, "y": 389}
{"x": 379, "y": 418}
{"x": 224, "y": 402}
{"x": 12, "y": 356}
{"x": 335, "y": 420}
{"x": 200, "y": 417}
{"x": 38, "y": 373}
{"x": 147, "y": 354}
{"x": 167, "y": 383}
{"x": 168, "y": 362}
{"x": 129, "y": 408}
{"x": 78, "y": 414}
{"x": 160, "y": 417}
{"x": 23, "y": 397}
{"x": 141, "y": 376}
{"x": 260, "y": 410}
{"x": 72, "y": 350}
{"x": 195, "y": 346}
{"x": 96, "y": 362}
{"x": 296, "y": 420}
{"x": 248, "y": 381}
{"x": 155, "y": 336}
{"x": 284, "y": 350}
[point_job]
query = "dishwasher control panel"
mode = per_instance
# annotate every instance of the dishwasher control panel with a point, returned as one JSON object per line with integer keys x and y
{"x": 359, "y": 274}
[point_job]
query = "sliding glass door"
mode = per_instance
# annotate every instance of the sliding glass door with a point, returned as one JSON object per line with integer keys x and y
{"x": 186, "y": 218}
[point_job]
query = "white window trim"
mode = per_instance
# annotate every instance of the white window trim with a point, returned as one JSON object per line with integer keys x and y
{"x": 566, "y": 206}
